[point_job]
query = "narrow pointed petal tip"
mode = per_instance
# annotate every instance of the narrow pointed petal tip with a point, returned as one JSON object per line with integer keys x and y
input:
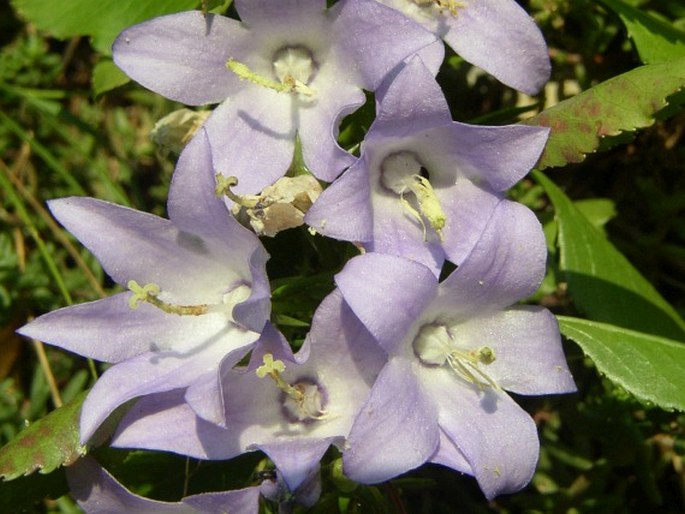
{"x": 98, "y": 492}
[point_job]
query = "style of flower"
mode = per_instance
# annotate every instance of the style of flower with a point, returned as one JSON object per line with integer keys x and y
{"x": 453, "y": 349}
{"x": 291, "y": 407}
{"x": 424, "y": 186}
{"x": 289, "y": 69}
{"x": 497, "y": 35}
{"x": 98, "y": 492}
{"x": 197, "y": 299}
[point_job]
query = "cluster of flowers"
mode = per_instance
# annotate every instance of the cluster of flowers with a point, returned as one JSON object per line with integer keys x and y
{"x": 399, "y": 368}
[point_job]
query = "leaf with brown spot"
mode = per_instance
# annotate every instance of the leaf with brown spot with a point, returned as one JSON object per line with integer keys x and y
{"x": 621, "y": 104}
{"x": 46, "y": 444}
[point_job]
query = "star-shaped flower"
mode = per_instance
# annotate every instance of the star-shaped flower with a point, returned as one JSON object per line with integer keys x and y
{"x": 292, "y": 407}
{"x": 290, "y": 68}
{"x": 424, "y": 186}
{"x": 496, "y": 35}
{"x": 453, "y": 349}
{"x": 198, "y": 295}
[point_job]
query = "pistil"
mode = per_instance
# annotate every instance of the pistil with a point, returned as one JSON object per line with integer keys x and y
{"x": 303, "y": 401}
{"x": 403, "y": 173}
{"x": 149, "y": 294}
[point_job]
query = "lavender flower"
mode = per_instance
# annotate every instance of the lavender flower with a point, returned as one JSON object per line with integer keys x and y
{"x": 424, "y": 186}
{"x": 197, "y": 296}
{"x": 291, "y": 68}
{"x": 497, "y": 35}
{"x": 292, "y": 407}
{"x": 453, "y": 349}
{"x": 98, "y": 492}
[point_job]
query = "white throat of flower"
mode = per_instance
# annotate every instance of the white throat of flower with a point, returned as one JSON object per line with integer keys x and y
{"x": 301, "y": 402}
{"x": 404, "y": 174}
{"x": 149, "y": 293}
{"x": 451, "y": 6}
{"x": 435, "y": 347}
{"x": 293, "y": 68}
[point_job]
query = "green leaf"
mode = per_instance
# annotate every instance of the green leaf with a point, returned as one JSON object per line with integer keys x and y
{"x": 101, "y": 20}
{"x": 650, "y": 367}
{"x": 107, "y": 76}
{"x": 601, "y": 281}
{"x": 656, "y": 41}
{"x": 46, "y": 444}
{"x": 598, "y": 211}
{"x": 623, "y": 103}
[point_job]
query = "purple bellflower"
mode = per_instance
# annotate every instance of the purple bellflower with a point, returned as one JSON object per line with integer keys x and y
{"x": 497, "y": 35}
{"x": 424, "y": 186}
{"x": 289, "y": 68}
{"x": 453, "y": 349}
{"x": 197, "y": 299}
{"x": 98, "y": 492}
{"x": 291, "y": 407}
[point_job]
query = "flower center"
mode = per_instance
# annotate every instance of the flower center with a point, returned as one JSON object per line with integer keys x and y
{"x": 301, "y": 402}
{"x": 452, "y": 6}
{"x": 294, "y": 66}
{"x": 435, "y": 347}
{"x": 308, "y": 407}
{"x": 404, "y": 174}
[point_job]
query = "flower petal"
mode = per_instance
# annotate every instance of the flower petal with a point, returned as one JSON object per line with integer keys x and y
{"x": 506, "y": 265}
{"x": 343, "y": 210}
{"x": 500, "y": 155}
{"x": 252, "y": 136}
{"x": 527, "y": 345}
{"x": 296, "y": 459}
{"x": 402, "y": 111}
{"x": 498, "y": 438}
{"x": 156, "y": 372}
{"x": 165, "y": 422}
{"x": 376, "y": 39}
{"x": 120, "y": 332}
{"x": 132, "y": 245}
{"x": 98, "y": 492}
{"x": 182, "y": 56}
{"x": 396, "y": 430}
{"x": 387, "y": 293}
{"x": 500, "y": 37}
{"x": 265, "y": 14}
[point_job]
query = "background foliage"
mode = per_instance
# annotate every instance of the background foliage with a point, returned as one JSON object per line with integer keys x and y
{"x": 612, "y": 201}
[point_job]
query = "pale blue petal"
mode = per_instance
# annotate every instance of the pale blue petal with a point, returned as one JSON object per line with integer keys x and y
{"x": 343, "y": 210}
{"x": 506, "y": 265}
{"x": 98, "y": 492}
{"x": 500, "y": 37}
{"x": 376, "y": 39}
{"x": 183, "y": 56}
{"x": 498, "y": 438}
{"x": 387, "y": 293}
{"x": 296, "y": 459}
{"x": 529, "y": 356}
{"x": 396, "y": 430}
